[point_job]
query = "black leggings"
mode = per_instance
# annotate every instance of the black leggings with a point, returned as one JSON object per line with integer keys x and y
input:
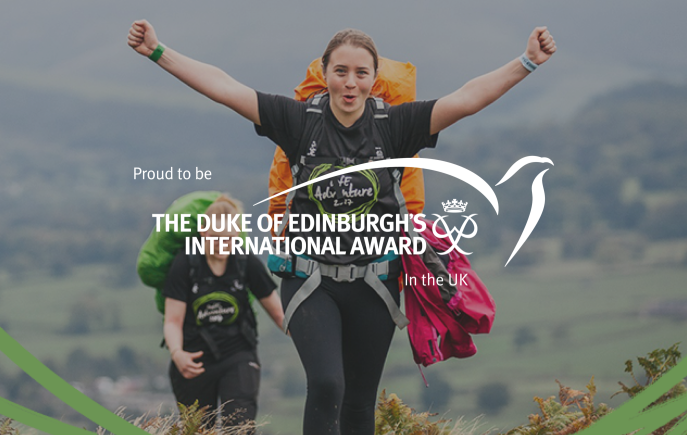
{"x": 342, "y": 333}
{"x": 235, "y": 381}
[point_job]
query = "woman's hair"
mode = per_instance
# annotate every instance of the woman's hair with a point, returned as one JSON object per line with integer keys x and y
{"x": 225, "y": 204}
{"x": 355, "y": 38}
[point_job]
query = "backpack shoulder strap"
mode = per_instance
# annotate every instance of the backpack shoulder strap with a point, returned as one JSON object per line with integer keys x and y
{"x": 381, "y": 109}
{"x": 249, "y": 324}
{"x": 382, "y": 123}
{"x": 242, "y": 269}
{"x": 314, "y": 105}
{"x": 194, "y": 268}
{"x": 313, "y": 122}
{"x": 241, "y": 266}
{"x": 195, "y": 271}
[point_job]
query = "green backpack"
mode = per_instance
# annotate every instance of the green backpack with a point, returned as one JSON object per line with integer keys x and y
{"x": 158, "y": 251}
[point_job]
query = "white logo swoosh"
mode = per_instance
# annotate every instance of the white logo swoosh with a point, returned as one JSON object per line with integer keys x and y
{"x": 538, "y": 201}
{"x": 447, "y": 168}
{"x": 522, "y": 162}
{"x": 455, "y": 171}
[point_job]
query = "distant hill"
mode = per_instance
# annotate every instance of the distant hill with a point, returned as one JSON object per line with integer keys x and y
{"x": 81, "y": 49}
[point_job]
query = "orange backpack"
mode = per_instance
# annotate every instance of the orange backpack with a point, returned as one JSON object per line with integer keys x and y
{"x": 395, "y": 84}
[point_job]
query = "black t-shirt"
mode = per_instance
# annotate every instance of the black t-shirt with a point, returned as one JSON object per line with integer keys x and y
{"x": 218, "y": 304}
{"x": 283, "y": 120}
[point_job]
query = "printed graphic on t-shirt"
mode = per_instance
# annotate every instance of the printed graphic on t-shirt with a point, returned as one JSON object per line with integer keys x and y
{"x": 216, "y": 308}
{"x": 353, "y": 194}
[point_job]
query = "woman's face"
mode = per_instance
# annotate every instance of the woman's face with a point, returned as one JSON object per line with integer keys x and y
{"x": 350, "y": 75}
{"x": 220, "y": 242}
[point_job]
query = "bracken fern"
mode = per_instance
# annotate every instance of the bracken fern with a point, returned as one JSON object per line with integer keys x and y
{"x": 6, "y": 427}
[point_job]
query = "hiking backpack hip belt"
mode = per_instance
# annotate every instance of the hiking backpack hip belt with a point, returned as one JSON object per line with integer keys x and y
{"x": 372, "y": 275}
{"x": 381, "y": 268}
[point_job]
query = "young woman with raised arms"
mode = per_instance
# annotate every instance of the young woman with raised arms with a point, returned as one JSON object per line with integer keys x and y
{"x": 343, "y": 325}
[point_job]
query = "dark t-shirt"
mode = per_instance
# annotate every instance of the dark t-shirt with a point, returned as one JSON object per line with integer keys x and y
{"x": 218, "y": 304}
{"x": 283, "y": 120}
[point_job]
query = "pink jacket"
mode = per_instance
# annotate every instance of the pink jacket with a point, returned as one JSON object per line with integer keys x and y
{"x": 439, "y": 330}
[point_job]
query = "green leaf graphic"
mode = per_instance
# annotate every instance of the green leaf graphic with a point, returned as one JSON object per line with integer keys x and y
{"x": 631, "y": 415}
{"x": 680, "y": 428}
{"x": 63, "y": 391}
{"x": 38, "y": 421}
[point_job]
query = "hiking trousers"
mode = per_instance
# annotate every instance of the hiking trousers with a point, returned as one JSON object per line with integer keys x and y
{"x": 235, "y": 381}
{"x": 342, "y": 333}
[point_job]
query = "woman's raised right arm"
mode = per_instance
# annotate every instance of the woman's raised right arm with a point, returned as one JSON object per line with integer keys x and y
{"x": 206, "y": 79}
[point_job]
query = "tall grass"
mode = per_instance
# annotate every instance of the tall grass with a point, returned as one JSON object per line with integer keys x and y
{"x": 570, "y": 412}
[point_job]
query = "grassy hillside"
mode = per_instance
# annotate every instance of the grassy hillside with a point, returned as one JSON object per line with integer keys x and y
{"x": 582, "y": 325}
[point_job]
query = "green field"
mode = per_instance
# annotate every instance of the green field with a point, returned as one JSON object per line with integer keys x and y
{"x": 584, "y": 324}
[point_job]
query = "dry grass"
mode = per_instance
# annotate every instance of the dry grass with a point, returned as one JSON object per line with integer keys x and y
{"x": 190, "y": 421}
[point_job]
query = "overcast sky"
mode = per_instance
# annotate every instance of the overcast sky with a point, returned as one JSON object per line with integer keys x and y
{"x": 80, "y": 46}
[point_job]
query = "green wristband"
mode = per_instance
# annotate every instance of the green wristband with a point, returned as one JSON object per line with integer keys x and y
{"x": 157, "y": 53}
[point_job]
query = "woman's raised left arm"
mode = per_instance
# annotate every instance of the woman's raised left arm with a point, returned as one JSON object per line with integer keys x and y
{"x": 481, "y": 91}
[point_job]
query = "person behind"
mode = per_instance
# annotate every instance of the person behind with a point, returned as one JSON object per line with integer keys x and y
{"x": 343, "y": 329}
{"x": 209, "y": 325}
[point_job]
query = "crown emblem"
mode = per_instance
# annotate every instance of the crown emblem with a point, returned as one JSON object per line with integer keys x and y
{"x": 454, "y": 206}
